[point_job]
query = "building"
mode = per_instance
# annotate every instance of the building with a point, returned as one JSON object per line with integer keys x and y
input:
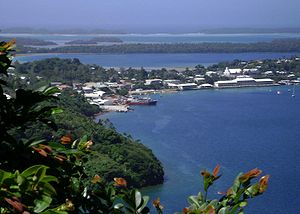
{"x": 55, "y": 83}
{"x": 199, "y": 80}
{"x": 251, "y": 71}
{"x": 205, "y": 85}
{"x": 63, "y": 87}
{"x": 211, "y": 73}
{"x": 184, "y": 86}
{"x": 153, "y": 82}
{"x": 232, "y": 72}
{"x": 243, "y": 82}
{"x": 167, "y": 82}
{"x": 268, "y": 73}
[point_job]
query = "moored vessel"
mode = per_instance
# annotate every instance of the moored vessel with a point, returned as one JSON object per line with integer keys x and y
{"x": 140, "y": 101}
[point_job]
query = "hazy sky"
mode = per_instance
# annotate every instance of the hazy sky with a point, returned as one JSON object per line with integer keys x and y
{"x": 150, "y": 14}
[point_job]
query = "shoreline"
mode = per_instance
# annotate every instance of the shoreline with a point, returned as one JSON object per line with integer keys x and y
{"x": 172, "y": 91}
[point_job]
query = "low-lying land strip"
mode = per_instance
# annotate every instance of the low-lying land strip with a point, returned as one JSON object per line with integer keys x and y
{"x": 280, "y": 45}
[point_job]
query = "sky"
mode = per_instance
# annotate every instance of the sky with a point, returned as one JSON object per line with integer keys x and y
{"x": 156, "y": 15}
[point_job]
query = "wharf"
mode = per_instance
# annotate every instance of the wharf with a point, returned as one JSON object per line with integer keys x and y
{"x": 117, "y": 108}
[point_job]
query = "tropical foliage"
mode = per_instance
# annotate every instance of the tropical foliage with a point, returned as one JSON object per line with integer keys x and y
{"x": 50, "y": 176}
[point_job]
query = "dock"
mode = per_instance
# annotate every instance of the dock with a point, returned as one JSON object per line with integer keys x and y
{"x": 117, "y": 108}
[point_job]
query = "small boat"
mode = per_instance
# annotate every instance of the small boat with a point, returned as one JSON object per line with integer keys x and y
{"x": 293, "y": 94}
{"x": 141, "y": 101}
{"x": 278, "y": 92}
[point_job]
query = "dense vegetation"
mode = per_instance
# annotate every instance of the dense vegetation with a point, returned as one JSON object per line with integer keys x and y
{"x": 114, "y": 154}
{"x": 50, "y": 176}
{"x": 25, "y": 41}
{"x": 72, "y": 70}
{"x": 282, "y": 45}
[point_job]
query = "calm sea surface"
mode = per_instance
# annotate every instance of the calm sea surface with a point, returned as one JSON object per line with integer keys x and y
{"x": 166, "y": 38}
{"x": 239, "y": 128}
{"x": 157, "y": 60}
{"x": 162, "y": 60}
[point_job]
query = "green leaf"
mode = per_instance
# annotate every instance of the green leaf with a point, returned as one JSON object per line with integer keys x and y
{"x": 48, "y": 189}
{"x": 57, "y": 111}
{"x": 75, "y": 184}
{"x": 49, "y": 178}
{"x": 194, "y": 200}
{"x": 146, "y": 210}
{"x": 32, "y": 170}
{"x": 42, "y": 203}
{"x": 236, "y": 184}
{"x": 119, "y": 206}
{"x": 138, "y": 198}
{"x": 252, "y": 190}
{"x": 31, "y": 143}
{"x": 234, "y": 209}
{"x": 40, "y": 174}
{"x": 214, "y": 203}
{"x": 243, "y": 204}
{"x": 144, "y": 203}
{"x": 20, "y": 180}
{"x": 54, "y": 211}
{"x": 4, "y": 175}
{"x": 224, "y": 210}
{"x": 49, "y": 90}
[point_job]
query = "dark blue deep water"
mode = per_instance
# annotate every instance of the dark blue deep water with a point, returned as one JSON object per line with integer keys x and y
{"x": 239, "y": 128}
{"x": 158, "y": 60}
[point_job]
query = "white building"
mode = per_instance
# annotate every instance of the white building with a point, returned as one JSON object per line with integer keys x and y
{"x": 184, "y": 86}
{"x": 232, "y": 72}
{"x": 268, "y": 73}
{"x": 153, "y": 82}
{"x": 210, "y": 73}
{"x": 243, "y": 82}
{"x": 167, "y": 82}
{"x": 205, "y": 85}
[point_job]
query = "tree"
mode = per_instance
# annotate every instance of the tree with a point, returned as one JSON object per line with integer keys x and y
{"x": 49, "y": 177}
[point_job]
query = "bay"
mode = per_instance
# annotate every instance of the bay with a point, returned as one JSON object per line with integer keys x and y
{"x": 157, "y": 60}
{"x": 239, "y": 128}
{"x": 60, "y": 39}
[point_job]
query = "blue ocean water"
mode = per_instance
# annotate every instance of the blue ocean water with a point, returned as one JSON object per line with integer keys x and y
{"x": 157, "y": 60}
{"x": 239, "y": 128}
{"x": 166, "y": 38}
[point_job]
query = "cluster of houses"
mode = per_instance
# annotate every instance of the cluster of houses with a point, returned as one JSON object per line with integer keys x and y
{"x": 106, "y": 93}
{"x": 197, "y": 82}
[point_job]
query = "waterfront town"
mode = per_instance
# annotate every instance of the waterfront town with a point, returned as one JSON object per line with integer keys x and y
{"x": 123, "y": 91}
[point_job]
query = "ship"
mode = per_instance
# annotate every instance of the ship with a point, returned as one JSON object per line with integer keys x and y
{"x": 140, "y": 101}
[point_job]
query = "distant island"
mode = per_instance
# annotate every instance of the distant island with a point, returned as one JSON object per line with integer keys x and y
{"x": 95, "y": 41}
{"x": 279, "y": 45}
{"x": 24, "y": 41}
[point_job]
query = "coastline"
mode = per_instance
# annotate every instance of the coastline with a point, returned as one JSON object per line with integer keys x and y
{"x": 120, "y": 108}
{"x": 250, "y": 123}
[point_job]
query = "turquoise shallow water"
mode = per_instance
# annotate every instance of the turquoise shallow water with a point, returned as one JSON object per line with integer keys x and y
{"x": 239, "y": 128}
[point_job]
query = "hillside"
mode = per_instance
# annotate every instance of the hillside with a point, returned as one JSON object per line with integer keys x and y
{"x": 114, "y": 154}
